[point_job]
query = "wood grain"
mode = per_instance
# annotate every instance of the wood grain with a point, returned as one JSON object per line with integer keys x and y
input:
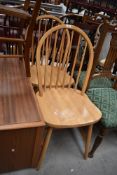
{"x": 34, "y": 78}
{"x": 17, "y": 149}
{"x": 67, "y": 108}
{"x": 14, "y": 12}
{"x": 18, "y": 105}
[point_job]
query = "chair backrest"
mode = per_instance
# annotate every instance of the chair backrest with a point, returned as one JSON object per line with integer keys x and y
{"x": 13, "y": 39}
{"x": 87, "y": 23}
{"x": 43, "y": 24}
{"x": 13, "y": 21}
{"x": 63, "y": 36}
{"x": 102, "y": 45}
{"x": 111, "y": 59}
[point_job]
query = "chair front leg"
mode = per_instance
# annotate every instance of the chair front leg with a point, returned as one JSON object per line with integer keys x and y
{"x": 97, "y": 142}
{"x": 45, "y": 146}
{"x": 88, "y": 141}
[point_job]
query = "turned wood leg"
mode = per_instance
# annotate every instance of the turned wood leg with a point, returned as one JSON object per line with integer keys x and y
{"x": 97, "y": 142}
{"x": 88, "y": 141}
{"x": 45, "y": 146}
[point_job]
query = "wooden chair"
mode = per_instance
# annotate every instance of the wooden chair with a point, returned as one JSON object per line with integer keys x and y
{"x": 106, "y": 98}
{"x": 63, "y": 106}
{"x": 44, "y": 23}
{"x": 17, "y": 30}
{"x": 103, "y": 53}
{"x": 89, "y": 25}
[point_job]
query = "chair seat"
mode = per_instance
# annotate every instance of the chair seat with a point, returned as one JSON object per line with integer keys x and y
{"x": 98, "y": 82}
{"x": 67, "y": 108}
{"x": 34, "y": 79}
{"x": 106, "y": 100}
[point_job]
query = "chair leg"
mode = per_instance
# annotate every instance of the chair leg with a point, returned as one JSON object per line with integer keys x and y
{"x": 88, "y": 141}
{"x": 97, "y": 142}
{"x": 44, "y": 149}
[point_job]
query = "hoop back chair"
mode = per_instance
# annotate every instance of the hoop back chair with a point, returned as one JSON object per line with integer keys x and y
{"x": 17, "y": 27}
{"x": 88, "y": 24}
{"x": 63, "y": 106}
{"x": 43, "y": 24}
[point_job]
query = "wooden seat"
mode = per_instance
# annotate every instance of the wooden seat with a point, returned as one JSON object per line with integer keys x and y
{"x": 34, "y": 78}
{"x": 63, "y": 106}
{"x": 61, "y": 112}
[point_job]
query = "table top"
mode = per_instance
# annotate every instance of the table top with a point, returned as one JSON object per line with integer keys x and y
{"x": 18, "y": 104}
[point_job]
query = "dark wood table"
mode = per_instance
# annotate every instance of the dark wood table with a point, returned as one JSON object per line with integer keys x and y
{"x": 21, "y": 124}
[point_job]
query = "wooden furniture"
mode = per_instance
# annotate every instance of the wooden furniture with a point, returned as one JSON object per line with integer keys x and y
{"x": 102, "y": 45}
{"x": 44, "y": 23}
{"x": 106, "y": 98}
{"x": 21, "y": 42}
{"x": 21, "y": 123}
{"x": 88, "y": 24}
{"x": 53, "y": 8}
{"x": 94, "y": 6}
{"x": 61, "y": 106}
{"x": 104, "y": 57}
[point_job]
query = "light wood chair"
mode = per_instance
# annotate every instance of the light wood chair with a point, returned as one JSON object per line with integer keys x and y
{"x": 44, "y": 23}
{"x": 63, "y": 106}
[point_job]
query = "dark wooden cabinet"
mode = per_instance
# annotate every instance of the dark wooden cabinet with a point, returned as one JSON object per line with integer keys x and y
{"x": 20, "y": 148}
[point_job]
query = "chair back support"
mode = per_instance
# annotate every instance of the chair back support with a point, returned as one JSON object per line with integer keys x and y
{"x": 88, "y": 23}
{"x": 61, "y": 52}
{"x": 15, "y": 41}
{"x": 102, "y": 46}
{"x": 43, "y": 24}
{"x": 112, "y": 54}
{"x": 13, "y": 27}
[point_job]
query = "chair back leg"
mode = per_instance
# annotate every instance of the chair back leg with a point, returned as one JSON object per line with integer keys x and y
{"x": 97, "y": 142}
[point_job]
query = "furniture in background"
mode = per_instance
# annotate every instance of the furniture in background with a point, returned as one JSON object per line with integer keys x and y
{"x": 87, "y": 24}
{"x": 103, "y": 53}
{"x": 106, "y": 98}
{"x": 92, "y": 6}
{"x": 43, "y": 24}
{"x": 63, "y": 106}
{"x": 23, "y": 40}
